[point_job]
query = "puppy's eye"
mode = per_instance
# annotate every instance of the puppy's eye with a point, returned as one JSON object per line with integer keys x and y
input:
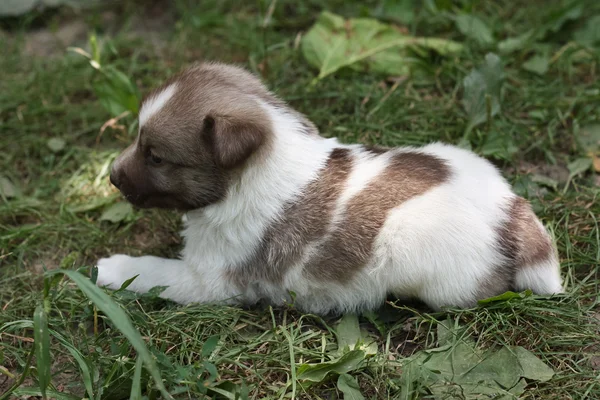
{"x": 155, "y": 160}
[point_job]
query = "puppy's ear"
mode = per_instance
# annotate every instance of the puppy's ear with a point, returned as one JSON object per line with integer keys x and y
{"x": 234, "y": 139}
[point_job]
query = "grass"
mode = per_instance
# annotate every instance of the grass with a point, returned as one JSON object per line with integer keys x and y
{"x": 55, "y": 221}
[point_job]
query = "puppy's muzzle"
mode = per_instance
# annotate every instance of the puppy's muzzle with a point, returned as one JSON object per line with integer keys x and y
{"x": 115, "y": 177}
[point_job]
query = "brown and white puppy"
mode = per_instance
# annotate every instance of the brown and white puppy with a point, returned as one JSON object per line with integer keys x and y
{"x": 274, "y": 208}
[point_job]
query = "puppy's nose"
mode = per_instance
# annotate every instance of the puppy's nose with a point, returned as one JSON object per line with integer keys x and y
{"x": 114, "y": 180}
{"x": 116, "y": 176}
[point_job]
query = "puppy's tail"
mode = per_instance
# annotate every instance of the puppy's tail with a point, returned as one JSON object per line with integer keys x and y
{"x": 542, "y": 278}
{"x": 536, "y": 258}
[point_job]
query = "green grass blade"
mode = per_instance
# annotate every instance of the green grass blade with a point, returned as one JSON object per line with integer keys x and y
{"x": 42, "y": 348}
{"x": 35, "y": 392}
{"x": 121, "y": 321}
{"x": 86, "y": 374}
{"x": 136, "y": 384}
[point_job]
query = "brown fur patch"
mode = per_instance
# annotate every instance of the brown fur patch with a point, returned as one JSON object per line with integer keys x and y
{"x": 304, "y": 220}
{"x": 349, "y": 248}
{"x": 532, "y": 242}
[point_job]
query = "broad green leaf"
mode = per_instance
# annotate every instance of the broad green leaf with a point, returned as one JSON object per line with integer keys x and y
{"x": 516, "y": 43}
{"x": 212, "y": 370}
{"x": 538, "y": 64}
{"x": 533, "y": 368}
{"x": 402, "y": 11}
{"x": 210, "y": 345}
{"x": 507, "y": 366}
{"x": 56, "y": 144}
{"x": 483, "y": 83}
{"x": 446, "y": 333}
{"x": 348, "y": 385}
{"x": 589, "y": 138}
{"x": 317, "y": 372}
{"x": 474, "y": 28}
{"x": 460, "y": 369}
{"x": 560, "y": 16}
{"x": 470, "y": 391}
{"x": 121, "y": 321}
{"x": 117, "y": 212}
{"x": 499, "y": 145}
{"x": 115, "y": 91}
{"x": 579, "y": 166}
{"x": 7, "y": 188}
{"x": 42, "y": 348}
{"x": 348, "y": 332}
{"x": 589, "y": 35}
{"x": 366, "y": 44}
{"x": 500, "y": 366}
{"x": 545, "y": 181}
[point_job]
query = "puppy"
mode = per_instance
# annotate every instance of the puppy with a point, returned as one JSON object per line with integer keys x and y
{"x": 275, "y": 211}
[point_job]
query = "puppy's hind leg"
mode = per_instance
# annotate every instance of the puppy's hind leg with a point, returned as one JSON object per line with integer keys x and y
{"x": 183, "y": 284}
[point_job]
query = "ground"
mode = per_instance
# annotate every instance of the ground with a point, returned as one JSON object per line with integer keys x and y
{"x": 54, "y": 160}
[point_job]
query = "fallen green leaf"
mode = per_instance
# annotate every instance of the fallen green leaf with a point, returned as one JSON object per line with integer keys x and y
{"x": 499, "y": 145}
{"x": 117, "y": 212}
{"x": 317, "y": 372}
{"x": 482, "y": 83}
{"x": 7, "y": 188}
{"x": 363, "y": 43}
{"x": 538, "y": 64}
{"x": 56, "y": 144}
{"x": 115, "y": 91}
{"x": 474, "y": 28}
{"x": 589, "y": 138}
{"x": 460, "y": 369}
{"x": 579, "y": 166}
{"x": 402, "y": 11}
{"x": 533, "y": 368}
{"x": 589, "y": 35}
{"x": 348, "y": 332}
{"x": 210, "y": 345}
{"x": 348, "y": 385}
{"x": 558, "y": 17}
{"x": 545, "y": 181}
{"x": 511, "y": 44}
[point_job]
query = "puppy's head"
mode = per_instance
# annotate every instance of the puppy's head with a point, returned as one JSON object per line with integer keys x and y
{"x": 195, "y": 130}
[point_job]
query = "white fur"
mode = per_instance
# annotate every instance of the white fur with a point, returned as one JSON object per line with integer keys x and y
{"x": 153, "y": 105}
{"x": 438, "y": 246}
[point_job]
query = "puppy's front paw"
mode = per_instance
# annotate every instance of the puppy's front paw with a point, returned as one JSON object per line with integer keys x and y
{"x": 113, "y": 271}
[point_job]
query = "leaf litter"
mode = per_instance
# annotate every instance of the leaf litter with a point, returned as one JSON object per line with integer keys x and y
{"x": 458, "y": 368}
